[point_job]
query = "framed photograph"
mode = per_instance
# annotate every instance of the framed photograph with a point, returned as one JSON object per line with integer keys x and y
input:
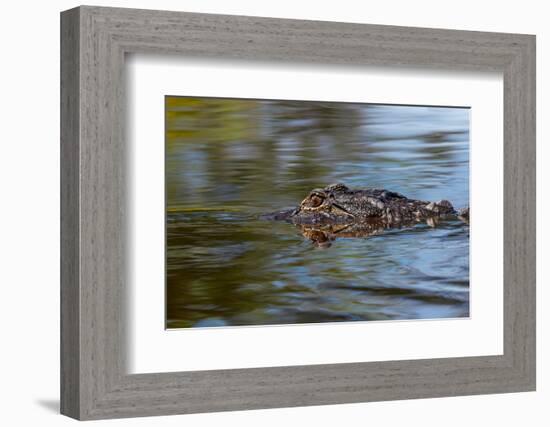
{"x": 262, "y": 213}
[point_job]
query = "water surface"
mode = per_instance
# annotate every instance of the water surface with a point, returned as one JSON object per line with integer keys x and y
{"x": 230, "y": 161}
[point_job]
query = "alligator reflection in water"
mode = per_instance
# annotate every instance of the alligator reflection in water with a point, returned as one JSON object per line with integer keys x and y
{"x": 323, "y": 235}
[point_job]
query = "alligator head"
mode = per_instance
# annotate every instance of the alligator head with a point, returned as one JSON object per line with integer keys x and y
{"x": 334, "y": 204}
{"x": 337, "y": 204}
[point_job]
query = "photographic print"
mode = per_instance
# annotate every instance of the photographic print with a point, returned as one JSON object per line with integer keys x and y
{"x": 286, "y": 212}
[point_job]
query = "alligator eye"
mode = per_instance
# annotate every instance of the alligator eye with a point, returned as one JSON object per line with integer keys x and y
{"x": 315, "y": 201}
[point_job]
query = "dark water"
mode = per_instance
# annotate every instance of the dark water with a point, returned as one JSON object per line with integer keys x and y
{"x": 229, "y": 161}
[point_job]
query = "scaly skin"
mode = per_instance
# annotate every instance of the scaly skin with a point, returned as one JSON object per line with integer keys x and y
{"x": 337, "y": 204}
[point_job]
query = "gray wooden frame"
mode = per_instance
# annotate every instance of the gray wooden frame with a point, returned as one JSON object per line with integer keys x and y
{"x": 94, "y": 382}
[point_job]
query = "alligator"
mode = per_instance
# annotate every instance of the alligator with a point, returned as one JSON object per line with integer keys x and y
{"x": 338, "y": 211}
